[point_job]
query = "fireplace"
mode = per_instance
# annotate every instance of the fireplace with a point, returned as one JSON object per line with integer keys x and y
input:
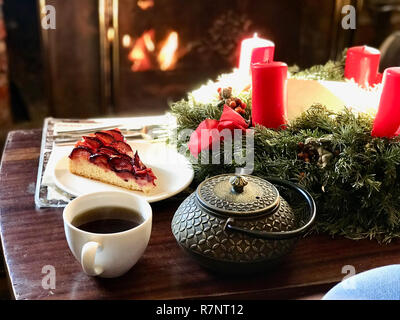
{"x": 130, "y": 57}
{"x": 134, "y": 56}
{"x": 164, "y": 48}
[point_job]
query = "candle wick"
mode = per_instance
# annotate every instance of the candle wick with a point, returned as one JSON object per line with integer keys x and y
{"x": 255, "y": 35}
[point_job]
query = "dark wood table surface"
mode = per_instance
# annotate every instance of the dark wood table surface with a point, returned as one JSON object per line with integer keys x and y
{"x": 33, "y": 238}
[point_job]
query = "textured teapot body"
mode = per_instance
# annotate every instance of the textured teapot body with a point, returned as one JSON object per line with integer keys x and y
{"x": 238, "y": 224}
{"x": 204, "y": 236}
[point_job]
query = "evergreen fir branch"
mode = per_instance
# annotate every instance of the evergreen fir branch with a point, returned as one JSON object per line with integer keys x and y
{"x": 332, "y": 70}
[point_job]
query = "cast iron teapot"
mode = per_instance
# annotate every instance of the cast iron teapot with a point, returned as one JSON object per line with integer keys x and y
{"x": 241, "y": 223}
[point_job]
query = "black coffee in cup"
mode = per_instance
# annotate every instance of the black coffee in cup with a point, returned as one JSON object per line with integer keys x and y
{"x": 107, "y": 220}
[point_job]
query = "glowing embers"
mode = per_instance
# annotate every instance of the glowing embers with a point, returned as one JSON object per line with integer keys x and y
{"x": 146, "y": 54}
{"x": 140, "y": 55}
{"x": 145, "y": 4}
{"x": 167, "y": 56}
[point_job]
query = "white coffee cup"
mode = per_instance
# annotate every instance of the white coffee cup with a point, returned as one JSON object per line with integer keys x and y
{"x": 108, "y": 255}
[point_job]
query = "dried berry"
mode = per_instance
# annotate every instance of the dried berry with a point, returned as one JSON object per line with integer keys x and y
{"x": 239, "y": 110}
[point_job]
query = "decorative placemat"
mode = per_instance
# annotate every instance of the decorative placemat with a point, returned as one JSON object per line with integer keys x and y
{"x": 42, "y": 189}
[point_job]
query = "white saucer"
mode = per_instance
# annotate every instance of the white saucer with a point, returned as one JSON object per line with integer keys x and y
{"x": 173, "y": 171}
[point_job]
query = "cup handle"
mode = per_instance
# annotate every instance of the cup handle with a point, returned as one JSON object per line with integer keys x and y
{"x": 88, "y": 256}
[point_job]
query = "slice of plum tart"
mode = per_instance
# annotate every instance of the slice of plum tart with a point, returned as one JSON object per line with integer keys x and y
{"x": 105, "y": 156}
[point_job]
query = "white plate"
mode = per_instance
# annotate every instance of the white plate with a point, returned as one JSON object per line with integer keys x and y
{"x": 173, "y": 171}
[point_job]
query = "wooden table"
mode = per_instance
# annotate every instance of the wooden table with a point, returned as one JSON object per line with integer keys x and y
{"x": 33, "y": 238}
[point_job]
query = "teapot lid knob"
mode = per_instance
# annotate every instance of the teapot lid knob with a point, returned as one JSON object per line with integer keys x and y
{"x": 238, "y": 183}
{"x": 238, "y": 195}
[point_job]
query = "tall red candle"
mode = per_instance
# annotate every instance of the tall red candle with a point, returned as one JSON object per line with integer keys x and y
{"x": 253, "y": 50}
{"x": 262, "y": 54}
{"x": 362, "y": 64}
{"x": 269, "y": 94}
{"x": 387, "y": 119}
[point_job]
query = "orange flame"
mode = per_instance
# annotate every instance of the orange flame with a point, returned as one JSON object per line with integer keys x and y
{"x": 148, "y": 40}
{"x": 144, "y": 51}
{"x": 167, "y": 56}
{"x": 145, "y": 4}
{"x": 139, "y": 53}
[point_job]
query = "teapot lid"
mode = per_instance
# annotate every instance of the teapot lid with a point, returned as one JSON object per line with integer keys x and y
{"x": 238, "y": 195}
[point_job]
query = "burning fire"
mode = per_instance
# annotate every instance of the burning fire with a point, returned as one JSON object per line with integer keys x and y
{"x": 145, "y": 4}
{"x": 138, "y": 55}
{"x": 167, "y": 57}
{"x": 144, "y": 53}
{"x": 148, "y": 40}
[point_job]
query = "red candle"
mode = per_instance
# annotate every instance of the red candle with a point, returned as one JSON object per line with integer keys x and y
{"x": 387, "y": 119}
{"x": 269, "y": 94}
{"x": 255, "y": 50}
{"x": 262, "y": 54}
{"x": 362, "y": 64}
